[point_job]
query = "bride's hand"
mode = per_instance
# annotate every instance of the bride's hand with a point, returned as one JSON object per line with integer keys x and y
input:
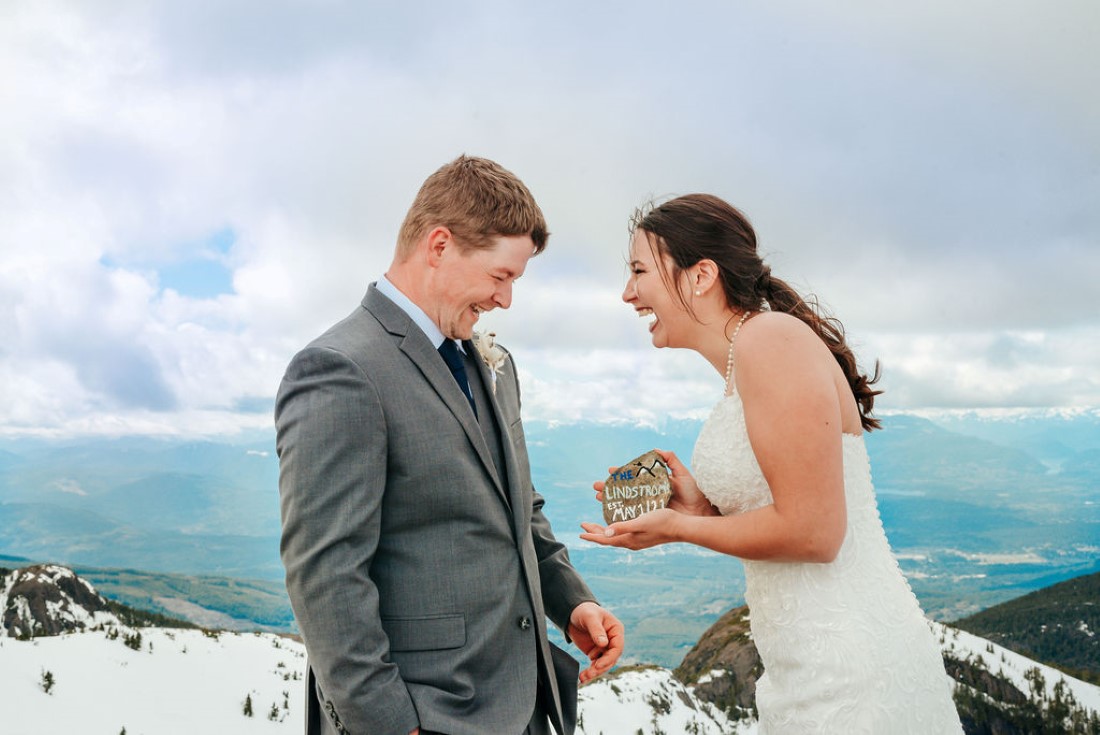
{"x": 650, "y": 529}
{"x": 686, "y": 495}
{"x": 599, "y": 485}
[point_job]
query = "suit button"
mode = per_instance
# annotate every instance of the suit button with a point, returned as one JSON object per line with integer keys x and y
{"x": 524, "y": 623}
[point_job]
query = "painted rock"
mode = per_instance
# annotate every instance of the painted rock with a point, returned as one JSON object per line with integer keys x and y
{"x": 639, "y": 486}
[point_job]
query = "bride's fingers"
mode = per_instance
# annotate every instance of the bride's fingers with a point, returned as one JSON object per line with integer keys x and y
{"x": 675, "y": 466}
{"x": 598, "y": 534}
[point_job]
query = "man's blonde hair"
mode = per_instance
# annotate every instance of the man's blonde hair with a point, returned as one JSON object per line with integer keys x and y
{"x": 477, "y": 200}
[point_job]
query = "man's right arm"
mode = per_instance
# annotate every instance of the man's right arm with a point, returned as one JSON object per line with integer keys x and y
{"x": 331, "y": 441}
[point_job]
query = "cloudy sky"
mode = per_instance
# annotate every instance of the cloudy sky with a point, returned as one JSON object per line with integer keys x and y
{"x": 189, "y": 191}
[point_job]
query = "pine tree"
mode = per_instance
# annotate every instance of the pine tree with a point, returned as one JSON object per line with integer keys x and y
{"x": 248, "y": 705}
{"x": 47, "y": 682}
{"x": 133, "y": 640}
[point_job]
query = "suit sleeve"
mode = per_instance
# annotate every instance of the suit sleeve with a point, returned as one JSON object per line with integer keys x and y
{"x": 562, "y": 586}
{"x": 332, "y": 447}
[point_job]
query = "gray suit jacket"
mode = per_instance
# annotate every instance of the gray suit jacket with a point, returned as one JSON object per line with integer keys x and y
{"x": 419, "y": 574}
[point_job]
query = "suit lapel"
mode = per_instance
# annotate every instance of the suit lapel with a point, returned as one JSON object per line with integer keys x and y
{"x": 414, "y": 343}
{"x": 521, "y": 515}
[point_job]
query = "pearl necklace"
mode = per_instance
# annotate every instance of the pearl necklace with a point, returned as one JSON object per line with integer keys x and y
{"x": 729, "y": 360}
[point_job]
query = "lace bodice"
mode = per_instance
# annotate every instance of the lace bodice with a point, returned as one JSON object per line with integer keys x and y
{"x": 845, "y": 645}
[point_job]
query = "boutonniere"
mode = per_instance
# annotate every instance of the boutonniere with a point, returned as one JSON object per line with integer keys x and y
{"x": 493, "y": 356}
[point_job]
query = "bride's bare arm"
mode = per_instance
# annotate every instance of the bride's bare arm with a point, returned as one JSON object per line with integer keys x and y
{"x": 786, "y": 380}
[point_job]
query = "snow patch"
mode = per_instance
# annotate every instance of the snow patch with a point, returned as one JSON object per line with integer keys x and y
{"x": 1017, "y": 669}
{"x": 711, "y": 676}
{"x": 181, "y": 681}
{"x": 649, "y": 700}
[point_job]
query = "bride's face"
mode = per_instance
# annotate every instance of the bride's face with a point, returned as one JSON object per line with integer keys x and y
{"x": 648, "y": 291}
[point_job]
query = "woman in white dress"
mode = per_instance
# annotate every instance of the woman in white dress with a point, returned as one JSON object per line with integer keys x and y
{"x": 782, "y": 481}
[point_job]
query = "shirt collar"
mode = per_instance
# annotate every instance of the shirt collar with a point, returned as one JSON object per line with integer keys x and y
{"x": 415, "y": 313}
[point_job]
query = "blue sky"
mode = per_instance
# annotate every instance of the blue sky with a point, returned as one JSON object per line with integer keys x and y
{"x": 190, "y": 192}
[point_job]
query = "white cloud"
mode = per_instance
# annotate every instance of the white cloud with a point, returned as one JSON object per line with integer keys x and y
{"x": 68, "y": 485}
{"x": 616, "y": 385}
{"x": 930, "y": 171}
{"x": 991, "y": 369}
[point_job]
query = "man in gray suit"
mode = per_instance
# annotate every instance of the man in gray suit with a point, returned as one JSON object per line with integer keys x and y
{"x": 420, "y": 566}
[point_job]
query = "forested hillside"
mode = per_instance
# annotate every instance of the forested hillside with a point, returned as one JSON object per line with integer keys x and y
{"x": 1057, "y": 625}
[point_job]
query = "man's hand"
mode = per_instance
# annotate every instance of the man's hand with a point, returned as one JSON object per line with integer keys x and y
{"x": 599, "y": 634}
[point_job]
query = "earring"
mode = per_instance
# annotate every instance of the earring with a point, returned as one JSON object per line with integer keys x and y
{"x": 698, "y": 293}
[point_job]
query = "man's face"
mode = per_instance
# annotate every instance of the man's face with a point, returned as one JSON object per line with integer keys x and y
{"x": 469, "y": 282}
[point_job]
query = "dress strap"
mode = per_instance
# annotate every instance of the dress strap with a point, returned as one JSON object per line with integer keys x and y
{"x": 729, "y": 360}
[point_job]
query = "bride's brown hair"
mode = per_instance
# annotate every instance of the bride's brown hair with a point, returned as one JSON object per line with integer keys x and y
{"x": 698, "y": 227}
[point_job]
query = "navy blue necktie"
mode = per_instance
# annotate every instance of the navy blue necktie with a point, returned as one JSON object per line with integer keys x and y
{"x": 453, "y": 358}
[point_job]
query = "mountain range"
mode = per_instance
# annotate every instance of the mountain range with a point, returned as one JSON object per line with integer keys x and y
{"x": 980, "y": 508}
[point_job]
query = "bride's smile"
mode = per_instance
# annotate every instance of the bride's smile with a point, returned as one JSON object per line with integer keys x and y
{"x": 647, "y": 290}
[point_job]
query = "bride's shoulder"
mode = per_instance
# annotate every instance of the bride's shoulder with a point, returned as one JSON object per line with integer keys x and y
{"x": 766, "y": 327}
{"x": 771, "y": 338}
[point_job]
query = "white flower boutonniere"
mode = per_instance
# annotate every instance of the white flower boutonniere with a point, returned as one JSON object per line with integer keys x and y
{"x": 494, "y": 356}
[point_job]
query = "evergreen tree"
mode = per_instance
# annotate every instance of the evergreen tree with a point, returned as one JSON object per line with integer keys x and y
{"x": 248, "y": 705}
{"x": 133, "y": 640}
{"x": 47, "y": 682}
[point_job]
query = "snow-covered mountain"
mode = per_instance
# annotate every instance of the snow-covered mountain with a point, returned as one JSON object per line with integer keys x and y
{"x": 151, "y": 681}
{"x": 69, "y": 664}
{"x": 45, "y": 600}
{"x": 650, "y": 700}
{"x": 993, "y": 682}
{"x": 185, "y": 682}
{"x": 991, "y": 675}
{"x": 71, "y": 661}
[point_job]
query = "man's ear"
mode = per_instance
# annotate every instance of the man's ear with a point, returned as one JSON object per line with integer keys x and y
{"x": 439, "y": 240}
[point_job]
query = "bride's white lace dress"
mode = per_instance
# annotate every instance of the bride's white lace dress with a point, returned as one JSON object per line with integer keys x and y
{"x": 845, "y": 646}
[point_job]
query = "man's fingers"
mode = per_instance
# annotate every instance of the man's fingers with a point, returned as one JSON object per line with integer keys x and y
{"x": 597, "y": 633}
{"x": 600, "y": 665}
{"x": 607, "y": 632}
